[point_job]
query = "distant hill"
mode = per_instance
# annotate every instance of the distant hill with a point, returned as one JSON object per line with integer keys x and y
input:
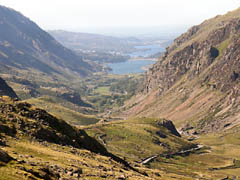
{"x": 6, "y": 90}
{"x": 103, "y": 48}
{"x": 195, "y": 83}
{"x": 87, "y": 41}
{"x": 25, "y": 46}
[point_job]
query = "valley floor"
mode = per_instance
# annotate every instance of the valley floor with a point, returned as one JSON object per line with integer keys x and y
{"x": 218, "y": 157}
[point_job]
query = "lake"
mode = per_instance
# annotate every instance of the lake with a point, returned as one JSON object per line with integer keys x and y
{"x": 147, "y": 50}
{"x": 130, "y": 67}
{"x": 136, "y": 66}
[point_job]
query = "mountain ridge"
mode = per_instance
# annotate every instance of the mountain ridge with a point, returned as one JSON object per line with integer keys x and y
{"x": 195, "y": 84}
{"x": 90, "y": 41}
{"x": 196, "y": 80}
{"x": 24, "y": 44}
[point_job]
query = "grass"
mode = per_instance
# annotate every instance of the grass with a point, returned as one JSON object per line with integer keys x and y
{"x": 71, "y": 116}
{"x": 93, "y": 165}
{"x": 190, "y": 167}
{"x": 223, "y": 46}
{"x": 54, "y": 155}
{"x": 136, "y": 139}
{"x": 133, "y": 139}
{"x": 104, "y": 90}
{"x": 219, "y": 153}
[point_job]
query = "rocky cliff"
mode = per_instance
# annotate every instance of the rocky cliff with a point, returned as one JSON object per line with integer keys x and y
{"x": 208, "y": 47}
{"x": 197, "y": 78}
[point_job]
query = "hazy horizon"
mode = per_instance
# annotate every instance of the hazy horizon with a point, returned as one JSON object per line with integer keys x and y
{"x": 141, "y": 31}
{"x": 116, "y": 17}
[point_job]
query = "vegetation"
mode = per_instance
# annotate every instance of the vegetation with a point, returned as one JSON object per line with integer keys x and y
{"x": 137, "y": 139}
{"x": 53, "y": 106}
{"x": 195, "y": 85}
{"x": 98, "y": 47}
{"x": 112, "y": 91}
{"x": 223, "y": 46}
{"x": 62, "y": 152}
{"x": 129, "y": 86}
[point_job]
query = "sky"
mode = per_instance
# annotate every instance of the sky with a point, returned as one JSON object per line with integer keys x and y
{"x": 83, "y": 14}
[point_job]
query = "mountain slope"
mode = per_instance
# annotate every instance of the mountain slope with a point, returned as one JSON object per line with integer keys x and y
{"x": 96, "y": 47}
{"x": 196, "y": 81}
{"x": 37, "y": 145}
{"x": 87, "y": 41}
{"x": 28, "y": 124}
{"x": 6, "y": 90}
{"x": 24, "y": 45}
{"x": 139, "y": 138}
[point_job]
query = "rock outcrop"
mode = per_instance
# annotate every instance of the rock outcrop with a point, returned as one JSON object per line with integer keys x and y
{"x": 19, "y": 119}
{"x": 194, "y": 53}
{"x": 197, "y": 78}
{"x": 170, "y": 126}
{"x": 6, "y": 90}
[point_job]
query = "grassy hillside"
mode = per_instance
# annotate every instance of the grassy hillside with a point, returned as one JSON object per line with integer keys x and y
{"x": 137, "y": 139}
{"x": 40, "y": 144}
{"x": 37, "y": 145}
{"x": 71, "y": 116}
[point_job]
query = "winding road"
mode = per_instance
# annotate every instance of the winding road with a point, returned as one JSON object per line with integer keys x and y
{"x": 149, "y": 159}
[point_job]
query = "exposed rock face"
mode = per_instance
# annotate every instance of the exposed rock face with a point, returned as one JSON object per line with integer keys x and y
{"x": 205, "y": 59}
{"x": 6, "y": 90}
{"x": 170, "y": 126}
{"x": 190, "y": 56}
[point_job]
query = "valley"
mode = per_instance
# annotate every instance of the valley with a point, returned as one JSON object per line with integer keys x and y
{"x": 89, "y": 106}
